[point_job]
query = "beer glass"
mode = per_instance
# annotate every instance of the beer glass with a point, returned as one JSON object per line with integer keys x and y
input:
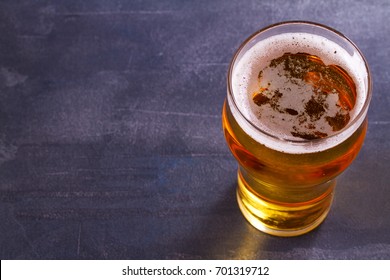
{"x": 294, "y": 119}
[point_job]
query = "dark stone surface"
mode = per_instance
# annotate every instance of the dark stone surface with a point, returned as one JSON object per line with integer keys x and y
{"x": 111, "y": 144}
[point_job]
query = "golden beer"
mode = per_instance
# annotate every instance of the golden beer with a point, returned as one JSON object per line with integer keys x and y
{"x": 294, "y": 118}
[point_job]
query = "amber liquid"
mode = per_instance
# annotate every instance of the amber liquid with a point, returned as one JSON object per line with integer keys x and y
{"x": 288, "y": 194}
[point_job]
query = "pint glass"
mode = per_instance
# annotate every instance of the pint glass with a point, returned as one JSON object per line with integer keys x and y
{"x": 294, "y": 119}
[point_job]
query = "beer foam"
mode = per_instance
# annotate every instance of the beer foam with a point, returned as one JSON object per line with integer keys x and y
{"x": 282, "y": 131}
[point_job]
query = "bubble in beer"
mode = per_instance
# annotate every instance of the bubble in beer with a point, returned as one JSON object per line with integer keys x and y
{"x": 299, "y": 93}
{"x": 298, "y": 87}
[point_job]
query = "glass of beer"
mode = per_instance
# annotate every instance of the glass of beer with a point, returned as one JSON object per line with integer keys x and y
{"x": 294, "y": 119}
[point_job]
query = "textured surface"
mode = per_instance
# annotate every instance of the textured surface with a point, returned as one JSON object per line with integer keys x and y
{"x": 111, "y": 144}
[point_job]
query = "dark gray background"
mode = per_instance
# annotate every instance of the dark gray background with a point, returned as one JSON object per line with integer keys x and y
{"x": 111, "y": 144}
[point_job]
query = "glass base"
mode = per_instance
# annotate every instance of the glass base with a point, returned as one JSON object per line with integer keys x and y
{"x": 281, "y": 218}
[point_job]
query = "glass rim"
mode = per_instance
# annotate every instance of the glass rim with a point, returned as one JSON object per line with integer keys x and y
{"x": 358, "y": 116}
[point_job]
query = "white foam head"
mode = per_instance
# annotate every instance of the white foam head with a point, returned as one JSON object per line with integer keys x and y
{"x": 271, "y": 131}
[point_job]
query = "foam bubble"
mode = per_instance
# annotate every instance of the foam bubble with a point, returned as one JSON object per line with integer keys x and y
{"x": 245, "y": 82}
